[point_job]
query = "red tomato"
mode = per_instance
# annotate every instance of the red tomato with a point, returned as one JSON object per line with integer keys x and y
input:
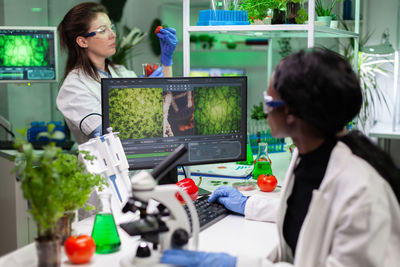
{"x": 79, "y": 249}
{"x": 267, "y": 183}
{"x": 155, "y": 67}
{"x": 189, "y": 187}
{"x": 148, "y": 69}
{"x": 158, "y": 29}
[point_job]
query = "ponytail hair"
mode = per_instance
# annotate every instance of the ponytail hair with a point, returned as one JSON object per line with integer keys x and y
{"x": 361, "y": 146}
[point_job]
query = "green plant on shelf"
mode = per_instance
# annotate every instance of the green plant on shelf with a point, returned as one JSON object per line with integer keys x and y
{"x": 257, "y": 112}
{"x": 322, "y": 8}
{"x": 302, "y": 16}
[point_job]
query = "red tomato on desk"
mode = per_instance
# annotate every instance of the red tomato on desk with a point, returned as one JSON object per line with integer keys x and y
{"x": 79, "y": 249}
{"x": 267, "y": 183}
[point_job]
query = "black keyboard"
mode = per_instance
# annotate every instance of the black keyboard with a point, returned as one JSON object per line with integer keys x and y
{"x": 208, "y": 213}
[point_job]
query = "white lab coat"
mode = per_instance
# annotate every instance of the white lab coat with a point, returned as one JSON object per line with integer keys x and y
{"x": 353, "y": 218}
{"x": 80, "y": 96}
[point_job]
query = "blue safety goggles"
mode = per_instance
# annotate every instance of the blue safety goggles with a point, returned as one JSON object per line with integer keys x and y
{"x": 269, "y": 103}
{"x": 102, "y": 30}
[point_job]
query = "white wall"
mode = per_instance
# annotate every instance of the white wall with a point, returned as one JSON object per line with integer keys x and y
{"x": 382, "y": 15}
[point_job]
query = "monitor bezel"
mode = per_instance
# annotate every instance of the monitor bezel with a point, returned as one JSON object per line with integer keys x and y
{"x": 44, "y": 28}
{"x": 106, "y": 121}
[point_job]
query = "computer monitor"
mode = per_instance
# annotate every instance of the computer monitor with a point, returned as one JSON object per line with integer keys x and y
{"x": 28, "y": 54}
{"x": 216, "y": 72}
{"x": 154, "y": 116}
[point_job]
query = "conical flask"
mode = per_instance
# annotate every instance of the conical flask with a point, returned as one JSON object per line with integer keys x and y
{"x": 105, "y": 233}
{"x": 262, "y": 163}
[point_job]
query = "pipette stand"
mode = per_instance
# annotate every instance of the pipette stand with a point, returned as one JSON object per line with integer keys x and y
{"x": 110, "y": 162}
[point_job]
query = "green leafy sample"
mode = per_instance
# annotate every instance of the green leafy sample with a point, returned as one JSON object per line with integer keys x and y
{"x": 217, "y": 110}
{"x": 21, "y": 50}
{"x": 136, "y": 112}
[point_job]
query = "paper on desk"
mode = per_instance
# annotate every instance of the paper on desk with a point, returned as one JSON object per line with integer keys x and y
{"x": 222, "y": 170}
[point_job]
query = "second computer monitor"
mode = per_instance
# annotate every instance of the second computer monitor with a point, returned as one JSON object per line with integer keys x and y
{"x": 155, "y": 115}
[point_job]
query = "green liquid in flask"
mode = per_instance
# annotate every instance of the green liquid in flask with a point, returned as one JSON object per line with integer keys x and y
{"x": 262, "y": 167}
{"x": 105, "y": 234}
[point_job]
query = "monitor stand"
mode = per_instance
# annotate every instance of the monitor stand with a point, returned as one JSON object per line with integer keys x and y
{"x": 170, "y": 177}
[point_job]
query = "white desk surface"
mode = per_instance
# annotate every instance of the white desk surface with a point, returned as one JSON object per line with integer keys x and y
{"x": 233, "y": 234}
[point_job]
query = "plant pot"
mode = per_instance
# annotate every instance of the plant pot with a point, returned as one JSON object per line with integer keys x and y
{"x": 278, "y": 17}
{"x": 48, "y": 252}
{"x": 291, "y": 14}
{"x": 325, "y": 20}
{"x": 334, "y": 24}
{"x": 64, "y": 225}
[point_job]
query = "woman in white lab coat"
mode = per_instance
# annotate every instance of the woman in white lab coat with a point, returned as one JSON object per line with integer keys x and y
{"x": 340, "y": 202}
{"x": 88, "y": 35}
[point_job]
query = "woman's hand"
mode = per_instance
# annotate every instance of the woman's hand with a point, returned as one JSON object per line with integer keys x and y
{"x": 168, "y": 43}
{"x": 230, "y": 197}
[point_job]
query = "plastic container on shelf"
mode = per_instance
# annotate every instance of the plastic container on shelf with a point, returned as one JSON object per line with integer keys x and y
{"x": 222, "y": 17}
{"x": 36, "y": 128}
{"x": 39, "y": 131}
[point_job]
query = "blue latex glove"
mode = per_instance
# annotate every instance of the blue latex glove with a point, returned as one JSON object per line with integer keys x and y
{"x": 230, "y": 197}
{"x": 168, "y": 42}
{"x": 157, "y": 73}
{"x": 96, "y": 132}
{"x": 197, "y": 259}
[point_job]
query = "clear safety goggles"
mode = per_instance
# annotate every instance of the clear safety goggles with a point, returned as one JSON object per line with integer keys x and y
{"x": 101, "y": 31}
{"x": 269, "y": 103}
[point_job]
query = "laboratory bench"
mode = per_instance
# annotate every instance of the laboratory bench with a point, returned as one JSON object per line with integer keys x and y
{"x": 18, "y": 229}
{"x": 233, "y": 234}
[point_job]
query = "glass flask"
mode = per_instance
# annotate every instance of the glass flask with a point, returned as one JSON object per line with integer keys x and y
{"x": 262, "y": 164}
{"x": 105, "y": 233}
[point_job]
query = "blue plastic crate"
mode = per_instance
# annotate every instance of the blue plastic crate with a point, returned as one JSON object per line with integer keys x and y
{"x": 222, "y": 17}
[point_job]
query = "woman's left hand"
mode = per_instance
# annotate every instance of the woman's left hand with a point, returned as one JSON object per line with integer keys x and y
{"x": 190, "y": 258}
{"x": 168, "y": 43}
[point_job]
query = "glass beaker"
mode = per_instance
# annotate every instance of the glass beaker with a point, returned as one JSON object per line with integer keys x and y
{"x": 105, "y": 233}
{"x": 262, "y": 164}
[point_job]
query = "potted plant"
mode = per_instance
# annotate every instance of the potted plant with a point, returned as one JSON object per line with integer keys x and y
{"x": 279, "y": 8}
{"x": 77, "y": 185}
{"x": 257, "y": 9}
{"x": 44, "y": 178}
{"x": 293, "y": 7}
{"x": 367, "y": 69}
{"x": 324, "y": 10}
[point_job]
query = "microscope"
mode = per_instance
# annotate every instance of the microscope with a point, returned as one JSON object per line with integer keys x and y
{"x": 169, "y": 224}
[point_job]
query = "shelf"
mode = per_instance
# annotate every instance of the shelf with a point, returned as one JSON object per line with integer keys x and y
{"x": 309, "y": 31}
{"x": 275, "y": 31}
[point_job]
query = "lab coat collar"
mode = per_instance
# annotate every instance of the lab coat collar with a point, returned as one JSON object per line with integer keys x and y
{"x": 339, "y": 157}
{"x": 337, "y": 161}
